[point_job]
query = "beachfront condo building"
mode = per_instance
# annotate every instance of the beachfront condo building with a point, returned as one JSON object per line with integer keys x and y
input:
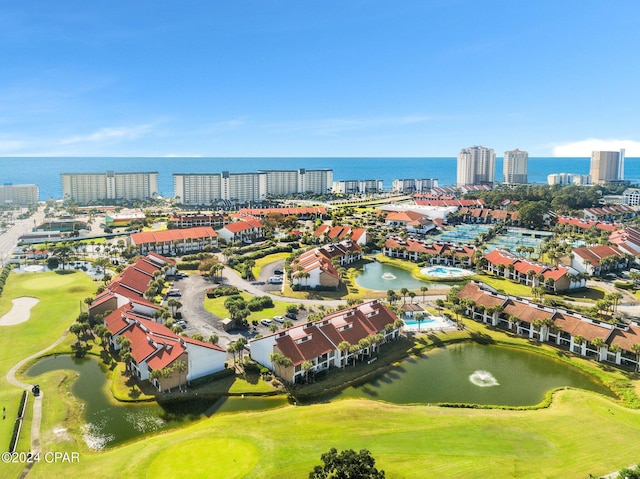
{"x": 476, "y": 166}
{"x": 606, "y": 166}
{"x": 351, "y": 187}
{"x": 19, "y": 195}
{"x": 515, "y": 167}
{"x": 409, "y": 185}
{"x": 239, "y": 188}
{"x": 564, "y": 179}
{"x": 109, "y": 187}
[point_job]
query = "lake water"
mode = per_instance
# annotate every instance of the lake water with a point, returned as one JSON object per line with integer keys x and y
{"x": 108, "y": 423}
{"x": 382, "y": 277}
{"x": 471, "y": 373}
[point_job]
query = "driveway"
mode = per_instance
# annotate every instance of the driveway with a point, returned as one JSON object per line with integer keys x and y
{"x": 198, "y": 319}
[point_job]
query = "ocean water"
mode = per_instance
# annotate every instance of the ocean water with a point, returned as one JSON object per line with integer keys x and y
{"x": 45, "y": 172}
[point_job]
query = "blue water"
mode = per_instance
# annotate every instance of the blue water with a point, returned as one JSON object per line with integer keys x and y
{"x": 45, "y": 172}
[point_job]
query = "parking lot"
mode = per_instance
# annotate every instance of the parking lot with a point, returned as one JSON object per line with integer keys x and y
{"x": 190, "y": 291}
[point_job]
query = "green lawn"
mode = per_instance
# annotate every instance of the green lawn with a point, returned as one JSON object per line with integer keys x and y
{"x": 216, "y": 306}
{"x": 271, "y": 258}
{"x": 579, "y": 434}
{"x": 407, "y": 442}
{"x": 60, "y": 298}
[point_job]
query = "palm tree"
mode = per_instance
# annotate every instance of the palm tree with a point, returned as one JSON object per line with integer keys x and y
{"x": 615, "y": 298}
{"x": 635, "y": 349}
{"x": 598, "y": 343}
{"x": 344, "y": 347}
{"x": 419, "y": 317}
{"x": 306, "y": 367}
{"x": 279, "y": 360}
{"x": 175, "y": 305}
{"x": 513, "y": 321}
{"x": 404, "y": 292}
{"x": 412, "y": 295}
{"x": 354, "y": 349}
{"x": 424, "y": 290}
{"x": 181, "y": 367}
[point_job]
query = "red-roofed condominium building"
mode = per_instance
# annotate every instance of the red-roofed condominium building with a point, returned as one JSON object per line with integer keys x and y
{"x": 132, "y": 284}
{"x": 579, "y": 334}
{"x": 531, "y": 273}
{"x": 154, "y": 347}
{"x": 316, "y": 268}
{"x": 175, "y": 242}
{"x": 596, "y": 260}
{"x": 337, "y": 233}
{"x": 435, "y": 252}
{"x": 325, "y": 343}
{"x": 247, "y": 231}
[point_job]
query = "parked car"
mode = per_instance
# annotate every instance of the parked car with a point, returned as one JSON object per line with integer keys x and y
{"x": 291, "y": 316}
{"x": 181, "y": 323}
{"x": 174, "y": 292}
{"x": 278, "y": 272}
{"x": 275, "y": 280}
{"x": 266, "y": 322}
{"x": 278, "y": 319}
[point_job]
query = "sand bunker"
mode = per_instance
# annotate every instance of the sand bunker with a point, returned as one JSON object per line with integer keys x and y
{"x": 20, "y": 312}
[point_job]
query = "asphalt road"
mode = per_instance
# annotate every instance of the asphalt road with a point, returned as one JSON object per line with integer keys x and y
{"x": 9, "y": 239}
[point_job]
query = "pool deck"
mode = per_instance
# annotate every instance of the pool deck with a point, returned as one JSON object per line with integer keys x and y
{"x": 430, "y": 324}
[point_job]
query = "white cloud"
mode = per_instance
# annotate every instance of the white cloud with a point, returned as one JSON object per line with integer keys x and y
{"x": 584, "y": 148}
{"x": 109, "y": 135}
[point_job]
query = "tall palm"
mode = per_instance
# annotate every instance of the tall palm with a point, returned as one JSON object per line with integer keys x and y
{"x": 181, "y": 367}
{"x": 306, "y": 367}
{"x": 635, "y": 349}
{"x": 598, "y": 343}
{"x": 344, "y": 347}
{"x": 424, "y": 290}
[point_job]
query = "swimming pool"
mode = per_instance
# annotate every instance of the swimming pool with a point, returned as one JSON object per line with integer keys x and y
{"x": 431, "y": 322}
{"x": 447, "y": 272}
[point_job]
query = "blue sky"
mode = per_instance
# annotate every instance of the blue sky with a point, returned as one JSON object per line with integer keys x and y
{"x": 318, "y": 78}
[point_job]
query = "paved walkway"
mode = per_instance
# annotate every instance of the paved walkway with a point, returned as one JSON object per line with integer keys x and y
{"x": 37, "y": 403}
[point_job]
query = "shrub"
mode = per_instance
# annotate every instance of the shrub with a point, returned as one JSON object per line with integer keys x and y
{"x": 222, "y": 291}
{"x": 623, "y": 284}
{"x": 259, "y": 303}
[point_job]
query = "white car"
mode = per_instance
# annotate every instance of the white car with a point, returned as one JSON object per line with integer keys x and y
{"x": 266, "y": 322}
{"x": 275, "y": 280}
{"x": 278, "y": 319}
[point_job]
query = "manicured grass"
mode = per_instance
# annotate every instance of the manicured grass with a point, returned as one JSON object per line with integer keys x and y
{"x": 216, "y": 306}
{"x": 503, "y": 284}
{"x": 407, "y": 442}
{"x": 60, "y": 298}
{"x": 271, "y": 258}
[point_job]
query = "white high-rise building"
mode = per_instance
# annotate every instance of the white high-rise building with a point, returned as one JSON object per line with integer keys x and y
{"x": 476, "y": 166}
{"x": 109, "y": 187}
{"x": 209, "y": 188}
{"x": 515, "y": 167}
{"x": 19, "y": 195}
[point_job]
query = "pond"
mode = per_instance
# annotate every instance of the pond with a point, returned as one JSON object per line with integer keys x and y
{"x": 472, "y": 373}
{"x": 382, "y": 277}
{"x": 108, "y": 423}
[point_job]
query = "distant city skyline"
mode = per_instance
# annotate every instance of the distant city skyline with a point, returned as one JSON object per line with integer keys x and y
{"x": 421, "y": 78}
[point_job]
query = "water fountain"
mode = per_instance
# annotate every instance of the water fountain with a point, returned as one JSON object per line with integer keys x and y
{"x": 388, "y": 276}
{"x": 483, "y": 379}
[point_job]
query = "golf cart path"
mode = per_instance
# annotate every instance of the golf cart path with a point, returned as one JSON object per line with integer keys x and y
{"x": 37, "y": 403}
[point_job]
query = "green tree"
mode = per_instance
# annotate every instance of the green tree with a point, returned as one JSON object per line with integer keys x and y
{"x": 347, "y": 464}
{"x": 181, "y": 367}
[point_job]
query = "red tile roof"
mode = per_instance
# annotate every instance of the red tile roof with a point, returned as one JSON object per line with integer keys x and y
{"x": 166, "y": 236}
